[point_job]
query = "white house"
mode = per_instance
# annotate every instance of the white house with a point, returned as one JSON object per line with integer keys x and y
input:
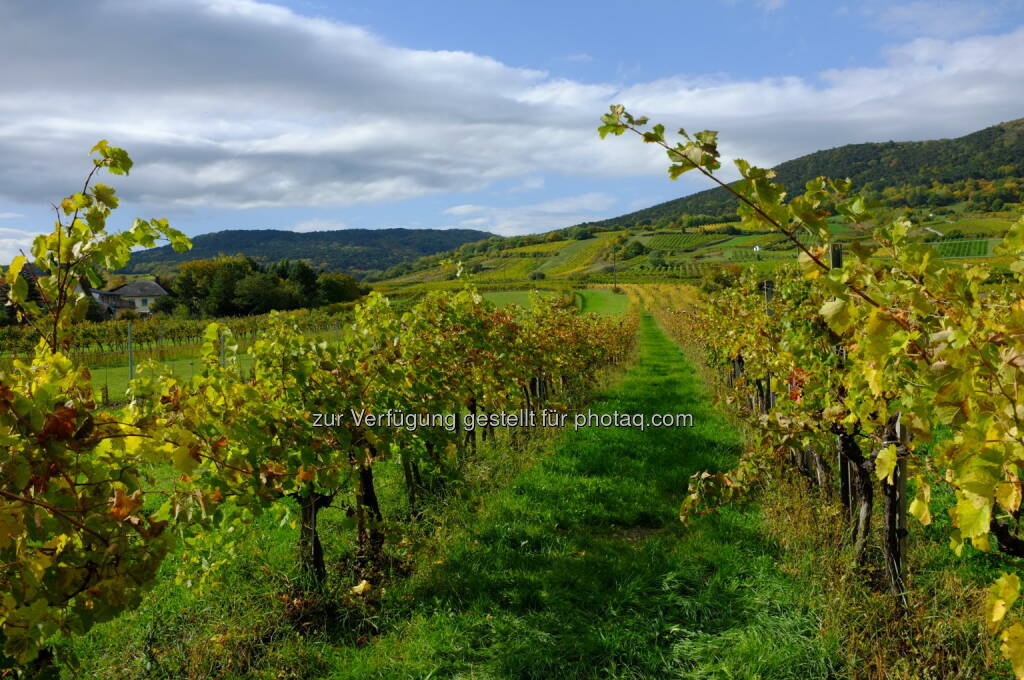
{"x": 137, "y": 296}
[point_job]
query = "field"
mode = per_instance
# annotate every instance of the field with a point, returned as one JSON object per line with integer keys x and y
{"x": 620, "y": 588}
{"x": 963, "y": 248}
{"x": 603, "y": 301}
{"x": 679, "y": 254}
{"x": 679, "y": 241}
{"x": 550, "y": 247}
{"x": 980, "y": 226}
{"x": 506, "y": 269}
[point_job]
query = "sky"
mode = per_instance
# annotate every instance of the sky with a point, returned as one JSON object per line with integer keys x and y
{"x": 305, "y": 115}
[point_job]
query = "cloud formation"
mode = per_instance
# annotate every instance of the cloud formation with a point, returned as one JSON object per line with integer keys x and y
{"x": 236, "y": 104}
{"x": 541, "y": 216}
{"x": 14, "y": 242}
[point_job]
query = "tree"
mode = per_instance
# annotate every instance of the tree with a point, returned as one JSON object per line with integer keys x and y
{"x": 338, "y": 288}
{"x": 164, "y": 304}
{"x": 581, "y": 232}
{"x": 633, "y": 249}
{"x": 95, "y": 312}
{"x": 302, "y": 274}
{"x": 254, "y": 294}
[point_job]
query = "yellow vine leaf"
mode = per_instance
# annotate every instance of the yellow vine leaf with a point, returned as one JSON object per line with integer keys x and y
{"x": 1001, "y": 596}
{"x": 1013, "y": 648}
{"x": 919, "y": 507}
{"x": 1008, "y": 495}
{"x": 885, "y": 463}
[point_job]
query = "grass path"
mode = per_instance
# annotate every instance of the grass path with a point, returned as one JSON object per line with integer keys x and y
{"x": 581, "y": 569}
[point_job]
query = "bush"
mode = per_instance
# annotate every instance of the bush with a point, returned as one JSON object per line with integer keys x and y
{"x": 580, "y": 233}
{"x": 536, "y": 276}
{"x": 718, "y": 278}
{"x": 163, "y": 305}
{"x": 633, "y": 249}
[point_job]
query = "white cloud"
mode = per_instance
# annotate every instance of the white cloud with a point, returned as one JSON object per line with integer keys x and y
{"x": 928, "y": 89}
{"x": 237, "y": 104}
{"x": 10, "y": 215}
{"x": 13, "y": 242}
{"x": 530, "y": 183}
{"x": 317, "y": 224}
{"x": 580, "y": 58}
{"x": 465, "y": 209}
{"x": 542, "y": 216}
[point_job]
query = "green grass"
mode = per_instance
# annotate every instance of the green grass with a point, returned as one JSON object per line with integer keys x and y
{"x": 980, "y": 226}
{"x": 603, "y": 301}
{"x": 577, "y": 568}
{"x": 115, "y": 378}
{"x": 548, "y": 247}
{"x": 507, "y": 269}
{"x": 581, "y": 569}
{"x": 576, "y": 256}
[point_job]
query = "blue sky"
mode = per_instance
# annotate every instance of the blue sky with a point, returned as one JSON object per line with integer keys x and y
{"x": 311, "y": 115}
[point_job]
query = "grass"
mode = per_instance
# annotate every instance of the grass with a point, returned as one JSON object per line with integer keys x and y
{"x": 570, "y": 566}
{"x": 547, "y": 247}
{"x": 115, "y": 377}
{"x": 576, "y": 255}
{"x": 508, "y": 269}
{"x": 980, "y": 226}
{"x": 603, "y": 301}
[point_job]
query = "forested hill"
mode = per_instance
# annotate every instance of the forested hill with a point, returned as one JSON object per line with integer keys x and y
{"x": 347, "y": 250}
{"x": 994, "y": 152}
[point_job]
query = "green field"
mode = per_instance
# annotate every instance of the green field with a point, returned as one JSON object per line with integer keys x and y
{"x": 963, "y": 248}
{"x": 980, "y": 226}
{"x": 680, "y": 241}
{"x": 576, "y": 256}
{"x": 603, "y": 301}
{"x": 115, "y": 378}
{"x": 596, "y": 300}
{"x": 549, "y": 247}
{"x": 684, "y": 254}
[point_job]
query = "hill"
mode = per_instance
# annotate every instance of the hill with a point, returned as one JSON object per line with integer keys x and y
{"x": 353, "y": 251}
{"x": 994, "y": 152}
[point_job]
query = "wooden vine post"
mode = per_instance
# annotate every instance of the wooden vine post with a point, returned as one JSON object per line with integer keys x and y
{"x": 894, "y": 491}
{"x": 768, "y": 399}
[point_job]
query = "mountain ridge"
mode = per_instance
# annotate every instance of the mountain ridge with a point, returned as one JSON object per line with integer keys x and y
{"x": 352, "y": 251}
{"x": 994, "y": 151}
